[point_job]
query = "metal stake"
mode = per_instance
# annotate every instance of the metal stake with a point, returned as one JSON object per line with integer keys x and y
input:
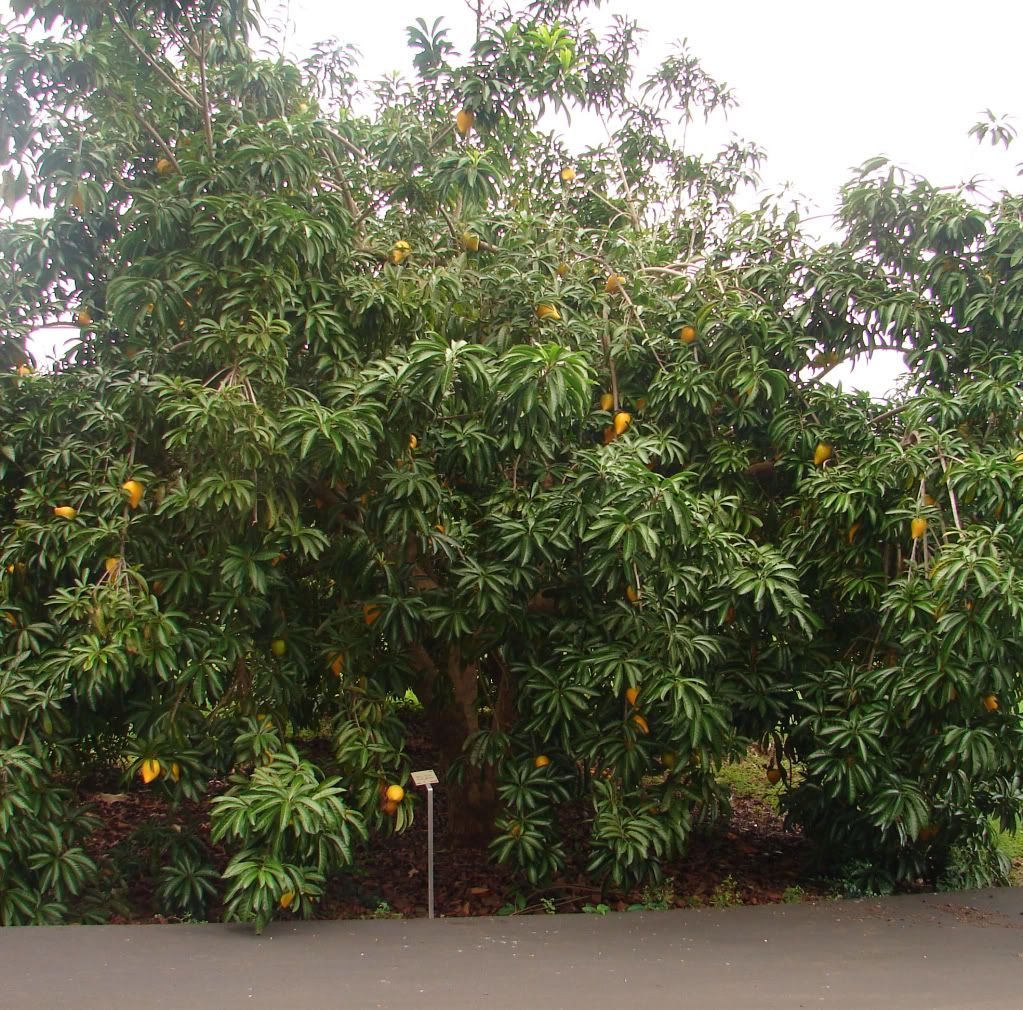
{"x": 429, "y": 843}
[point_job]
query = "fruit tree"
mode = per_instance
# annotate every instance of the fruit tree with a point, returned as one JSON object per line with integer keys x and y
{"x": 381, "y": 388}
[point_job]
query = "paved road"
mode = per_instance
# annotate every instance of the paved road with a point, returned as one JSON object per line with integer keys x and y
{"x": 938, "y": 952}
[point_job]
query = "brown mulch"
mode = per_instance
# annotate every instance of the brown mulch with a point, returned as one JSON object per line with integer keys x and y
{"x": 750, "y": 858}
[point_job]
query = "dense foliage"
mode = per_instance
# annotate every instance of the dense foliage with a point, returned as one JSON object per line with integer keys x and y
{"x": 383, "y": 389}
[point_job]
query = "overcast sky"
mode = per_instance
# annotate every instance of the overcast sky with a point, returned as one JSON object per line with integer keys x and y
{"x": 822, "y": 86}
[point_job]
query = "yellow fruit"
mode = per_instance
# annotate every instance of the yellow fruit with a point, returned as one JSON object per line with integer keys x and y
{"x": 24, "y": 370}
{"x": 991, "y": 703}
{"x": 641, "y": 723}
{"x": 111, "y": 565}
{"x": 470, "y": 242}
{"x": 400, "y": 251}
{"x": 84, "y": 317}
{"x": 164, "y": 165}
{"x": 821, "y": 454}
{"x": 918, "y": 527}
{"x": 1018, "y": 458}
{"x": 622, "y": 422}
{"x": 773, "y": 775}
{"x": 413, "y": 442}
{"x": 336, "y": 664}
{"x": 607, "y": 401}
{"x": 278, "y": 647}
{"x": 134, "y": 490}
{"x": 545, "y": 311}
{"x": 395, "y": 794}
{"x": 65, "y": 512}
{"x": 687, "y": 334}
{"x": 464, "y": 121}
{"x": 632, "y": 594}
{"x": 287, "y": 898}
{"x": 631, "y": 695}
{"x": 541, "y": 761}
{"x": 614, "y": 284}
{"x": 568, "y": 174}
{"x": 370, "y": 613}
{"x": 389, "y": 807}
{"x": 562, "y": 269}
{"x": 175, "y": 771}
{"x": 150, "y": 770}
{"x": 929, "y": 501}
{"x": 853, "y": 530}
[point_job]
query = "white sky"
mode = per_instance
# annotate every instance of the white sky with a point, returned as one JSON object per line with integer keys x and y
{"x": 822, "y": 86}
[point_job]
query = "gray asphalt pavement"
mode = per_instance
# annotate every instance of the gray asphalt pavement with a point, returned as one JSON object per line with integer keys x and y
{"x": 941, "y": 951}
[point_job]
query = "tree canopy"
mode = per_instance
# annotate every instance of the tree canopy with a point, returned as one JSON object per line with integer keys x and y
{"x": 377, "y": 388}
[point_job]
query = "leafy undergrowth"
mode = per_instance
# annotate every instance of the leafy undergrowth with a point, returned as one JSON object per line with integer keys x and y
{"x": 747, "y": 859}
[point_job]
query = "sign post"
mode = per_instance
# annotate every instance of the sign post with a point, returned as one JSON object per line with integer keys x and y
{"x": 428, "y": 778}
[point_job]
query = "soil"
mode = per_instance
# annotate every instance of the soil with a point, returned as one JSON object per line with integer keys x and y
{"x": 750, "y": 858}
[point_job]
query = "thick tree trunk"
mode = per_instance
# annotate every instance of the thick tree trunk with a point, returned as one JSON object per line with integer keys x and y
{"x": 472, "y": 802}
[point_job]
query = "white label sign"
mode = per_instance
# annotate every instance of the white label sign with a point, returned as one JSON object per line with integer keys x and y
{"x": 428, "y": 777}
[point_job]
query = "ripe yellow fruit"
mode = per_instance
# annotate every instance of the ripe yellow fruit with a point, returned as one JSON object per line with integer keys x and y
{"x": 395, "y": 794}
{"x": 632, "y": 594}
{"x": 400, "y": 251}
{"x": 83, "y": 318}
{"x": 853, "y": 530}
{"x": 545, "y": 311}
{"x": 773, "y": 775}
{"x": 687, "y": 334}
{"x": 111, "y": 565}
{"x": 918, "y": 527}
{"x": 150, "y": 770}
{"x": 413, "y": 442}
{"x": 464, "y": 121}
{"x": 287, "y": 898}
{"x": 622, "y": 422}
{"x": 370, "y": 613}
{"x": 470, "y": 242}
{"x": 164, "y": 165}
{"x": 175, "y": 771}
{"x": 631, "y": 695}
{"x": 336, "y": 664}
{"x": 278, "y": 647}
{"x": 991, "y": 703}
{"x": 562, "y": 269}
{"x": 135, "y": 491}
{"x": 1018, "y": 458}
{"x": 568, "y": 174}
{"x": 541, "y": 761}
{"x": 821, "y": 454}
{"x": 65, "y": 512}
{"x": 24, "y": 370}
{"x": 607, "y": 401}
{"x": 614, "y": 284}
{"x": 641, "y": 723}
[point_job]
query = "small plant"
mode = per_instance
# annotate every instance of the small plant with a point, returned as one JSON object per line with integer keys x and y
{"x": 793, "y": 895}
{"x": 600, "y": 909}
{"x": 384, "y": 911}
{"x": 726, "y": 894}
{"x": 294, "y": 829}
{"x": 656, "y": 898}
{"x": 549, "y": 906}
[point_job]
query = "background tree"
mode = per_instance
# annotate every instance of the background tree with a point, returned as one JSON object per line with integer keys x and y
{"x": 365, "y": 402}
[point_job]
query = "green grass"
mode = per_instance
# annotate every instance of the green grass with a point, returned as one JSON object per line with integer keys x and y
{"x": 748, "y": 778}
